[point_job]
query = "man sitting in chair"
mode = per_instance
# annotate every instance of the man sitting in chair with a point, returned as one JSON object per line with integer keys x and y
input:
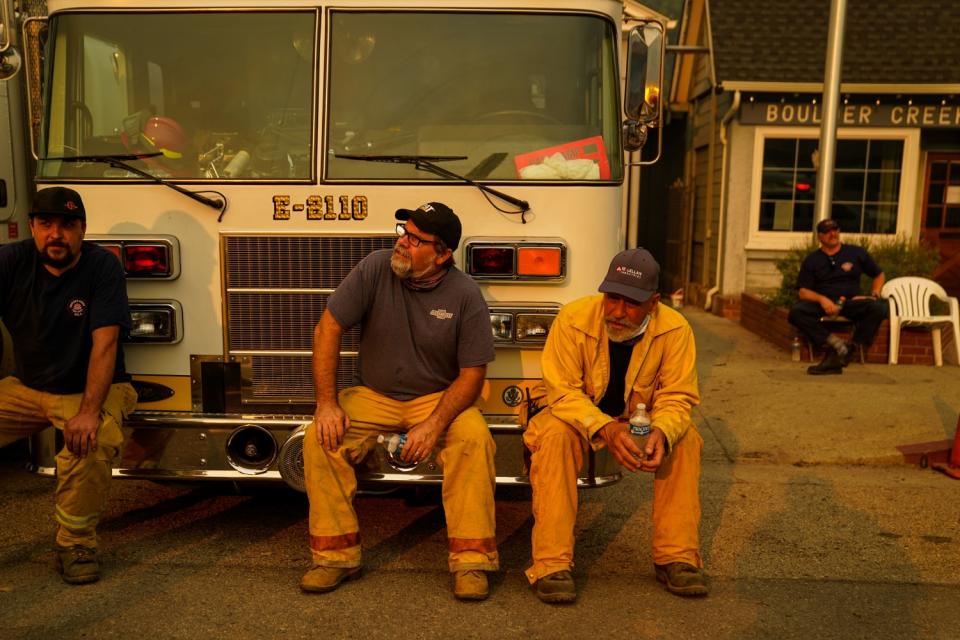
{"x": 829, "y": 284}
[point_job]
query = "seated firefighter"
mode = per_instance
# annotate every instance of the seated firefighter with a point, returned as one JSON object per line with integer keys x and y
{"x": 829, "y": 285}
{"x": 425, "y": 342}
{"x": 64, "y": 302}
{"x": 604, "y": 355}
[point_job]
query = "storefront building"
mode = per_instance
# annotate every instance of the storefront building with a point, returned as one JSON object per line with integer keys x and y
{"x": 752, "y": 107}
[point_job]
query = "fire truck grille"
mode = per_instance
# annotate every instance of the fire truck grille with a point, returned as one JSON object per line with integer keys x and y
{"x": 276, "y": 289}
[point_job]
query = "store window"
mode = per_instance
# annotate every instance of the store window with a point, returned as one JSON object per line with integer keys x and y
{"x": 866, "y": 184}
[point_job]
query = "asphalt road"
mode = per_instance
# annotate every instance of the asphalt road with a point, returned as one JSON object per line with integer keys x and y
{"x": 792, "y": 551}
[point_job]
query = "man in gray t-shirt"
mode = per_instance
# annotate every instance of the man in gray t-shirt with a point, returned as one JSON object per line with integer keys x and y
{"x": 425, "y": 342}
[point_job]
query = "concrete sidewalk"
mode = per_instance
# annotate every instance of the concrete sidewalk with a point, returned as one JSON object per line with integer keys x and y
{"x": 757, "y": 404}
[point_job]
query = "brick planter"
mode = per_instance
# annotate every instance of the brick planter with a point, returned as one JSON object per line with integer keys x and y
{"x": 770, "y": 323}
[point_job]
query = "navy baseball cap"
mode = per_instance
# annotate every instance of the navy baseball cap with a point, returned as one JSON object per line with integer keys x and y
{"x": 436, "y": 218}
{"x": 59, "y": 201}
{"x": 827, "y": 225}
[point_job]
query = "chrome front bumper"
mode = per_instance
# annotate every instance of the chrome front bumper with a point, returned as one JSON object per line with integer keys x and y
{"x": 268, "y": 448}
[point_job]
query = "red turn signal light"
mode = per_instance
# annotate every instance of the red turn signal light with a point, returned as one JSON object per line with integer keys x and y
{"x": 146, "y": 260}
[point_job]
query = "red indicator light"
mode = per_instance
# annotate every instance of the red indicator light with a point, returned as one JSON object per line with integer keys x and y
{"x": 491, "y": 261}
{"x": 115, "y": 250}
{"x": 146, "y": 260}
{"x": 803, "y": 186}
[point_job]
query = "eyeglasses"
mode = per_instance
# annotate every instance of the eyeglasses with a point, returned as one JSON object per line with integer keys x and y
{"x": 412, "y": 238}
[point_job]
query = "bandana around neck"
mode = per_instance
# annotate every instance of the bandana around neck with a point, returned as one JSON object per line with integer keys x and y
{"x": 425, "y": 284}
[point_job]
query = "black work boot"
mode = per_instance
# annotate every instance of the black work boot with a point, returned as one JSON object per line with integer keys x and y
{"x": 853, "y": 349}
{"x": 832, "y": 363}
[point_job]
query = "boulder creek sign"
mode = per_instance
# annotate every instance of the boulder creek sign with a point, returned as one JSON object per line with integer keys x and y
{"x": 853, "y": 115}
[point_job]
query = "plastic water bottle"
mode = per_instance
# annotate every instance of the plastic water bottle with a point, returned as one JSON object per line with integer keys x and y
{"x": 393, "y": 443}
{"x": 640, "y": 427}
{"x": 640, "y": 421}
{"x": 795, "y": 350}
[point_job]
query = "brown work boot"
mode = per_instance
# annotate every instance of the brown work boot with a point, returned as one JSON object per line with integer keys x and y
{"x": 556, "y": 587}
{"x": 77, "y": 564}
{"x": 324, "y": 579}
{"x": 470, "y": 585}
{"x": 682, "y": 579}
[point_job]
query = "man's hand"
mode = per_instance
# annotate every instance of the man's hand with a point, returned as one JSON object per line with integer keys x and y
{"x": 332, "y": 423}
{"x": 80, "y": 433}
{"x": 654, "y": 450}
{"x": 616, "y": 434}
{"x": 830, "y": 308}
{"x": 623, "y": 446}
{"x": 421, "y": 439}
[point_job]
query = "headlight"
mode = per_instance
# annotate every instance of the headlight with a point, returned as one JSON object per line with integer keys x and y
{"x": 522, "y": 325}
{"x": 157, "y": 322}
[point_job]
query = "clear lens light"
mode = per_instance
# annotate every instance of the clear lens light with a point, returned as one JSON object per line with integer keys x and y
{"x": 151, "y": 325}
{"x": 533, "y": 326}
{"x": 502, "y": 325}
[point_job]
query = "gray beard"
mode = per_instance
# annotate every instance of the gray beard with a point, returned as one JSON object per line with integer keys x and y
{"x": 402, "y": 267}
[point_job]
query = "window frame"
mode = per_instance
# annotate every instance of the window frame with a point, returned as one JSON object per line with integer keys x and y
{"x": 909, "y": 174}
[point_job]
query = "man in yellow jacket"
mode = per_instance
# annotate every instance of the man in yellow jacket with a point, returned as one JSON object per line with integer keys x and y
{"x": 605, "y": 355}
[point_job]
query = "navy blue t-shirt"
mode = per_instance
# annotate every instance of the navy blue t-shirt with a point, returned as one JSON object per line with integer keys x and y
{"x": 51, "y": 318}
{"x": 839, "y": 274}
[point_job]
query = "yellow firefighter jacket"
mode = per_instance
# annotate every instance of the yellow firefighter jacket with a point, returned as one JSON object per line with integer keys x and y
{"x": 662, "y": 371}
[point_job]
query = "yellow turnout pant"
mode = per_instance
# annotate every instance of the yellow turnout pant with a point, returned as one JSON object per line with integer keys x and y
{"x": 468, "y": 479}
{"x": 558, "y": 450}
{"x": 81, "y": 482}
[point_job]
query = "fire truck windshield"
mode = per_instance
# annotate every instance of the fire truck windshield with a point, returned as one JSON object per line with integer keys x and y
{"x": 538, "y": 89}
{"x": 220, "y": 96}
{"x": 236, "y": 95}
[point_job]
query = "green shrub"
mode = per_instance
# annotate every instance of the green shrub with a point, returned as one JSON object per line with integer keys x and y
{"x": 896, "y": 255}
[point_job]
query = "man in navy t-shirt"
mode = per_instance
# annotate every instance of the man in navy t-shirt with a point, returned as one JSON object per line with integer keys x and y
{"x": 64, "y": 302}
{"x": 829, "y": 285}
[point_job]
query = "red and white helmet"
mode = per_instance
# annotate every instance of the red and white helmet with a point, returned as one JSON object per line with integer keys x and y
{"x": 164, "y": 135}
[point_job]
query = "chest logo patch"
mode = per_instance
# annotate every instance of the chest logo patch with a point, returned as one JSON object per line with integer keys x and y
{"x": 77, "y": 307}
{"x": 441, "y": 314}
{"x": 847, "y": 266}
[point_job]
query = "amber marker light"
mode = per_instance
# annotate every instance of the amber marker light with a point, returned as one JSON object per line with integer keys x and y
{"x": 539, "y": 261}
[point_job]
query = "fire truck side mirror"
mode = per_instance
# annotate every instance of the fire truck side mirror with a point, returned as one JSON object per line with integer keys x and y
{"x": 641, "y": 101}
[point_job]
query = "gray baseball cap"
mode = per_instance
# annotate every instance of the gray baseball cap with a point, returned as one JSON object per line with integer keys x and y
{"x": 633, "y": 274}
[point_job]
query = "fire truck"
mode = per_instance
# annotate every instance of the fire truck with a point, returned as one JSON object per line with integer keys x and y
{"x": 240, "y": 157}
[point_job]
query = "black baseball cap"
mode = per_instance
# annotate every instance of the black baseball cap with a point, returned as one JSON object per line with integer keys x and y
{"x": 59, "y": 201}
{"x": 827, "y": 225}
{"x": 436, "y": 218}
{"x": 633, "y": 274}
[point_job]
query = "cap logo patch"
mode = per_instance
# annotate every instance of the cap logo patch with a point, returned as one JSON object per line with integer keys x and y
{"x": 70, "y": 205}
{"x": 426, "y": 207}
{"x": 627, "y": 271}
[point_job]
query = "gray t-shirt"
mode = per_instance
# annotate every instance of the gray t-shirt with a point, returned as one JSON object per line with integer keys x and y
{"x": 412, "y": 342}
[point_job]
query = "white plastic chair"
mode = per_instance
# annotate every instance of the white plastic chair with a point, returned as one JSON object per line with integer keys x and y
{"x": 909, "y": 300}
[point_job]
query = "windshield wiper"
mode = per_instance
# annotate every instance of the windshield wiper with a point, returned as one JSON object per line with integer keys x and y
{"x": 427, "y": 163}
{"x": 122, "y": 162}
